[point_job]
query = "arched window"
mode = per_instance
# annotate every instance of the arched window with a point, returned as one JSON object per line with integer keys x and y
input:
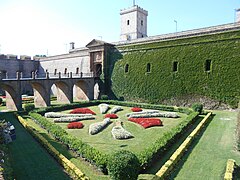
{"x": 141, "y": 22}
{"x": 148, "y": 67}
{"x": 128, "y": 22}
{"x": 126, "y": 68}
{"x": 65, "y": 71}
{"x": 55, "y": 71}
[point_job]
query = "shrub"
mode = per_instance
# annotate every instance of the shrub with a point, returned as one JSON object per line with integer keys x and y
{"x": 197, "y": 107}
{"x": 82, "y": 111}
{"x": 136, "y": 109}
{"x": 104, "y": 97}
{"x": 1, "y": 100}
{"x": 29, "y": 107}
{"x": 111, "y": 116}
{"x": 75, "y": 125}
{"x": 123, "y": 165}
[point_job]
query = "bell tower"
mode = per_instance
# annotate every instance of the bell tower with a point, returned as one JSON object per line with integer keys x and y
{"x": 133, "y": 23}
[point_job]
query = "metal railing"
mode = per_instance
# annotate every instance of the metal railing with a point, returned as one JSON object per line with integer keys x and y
{"x": 59, "y": 75}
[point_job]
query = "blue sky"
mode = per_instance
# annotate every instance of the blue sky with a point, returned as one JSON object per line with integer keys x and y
{"x": 30, "y": 27}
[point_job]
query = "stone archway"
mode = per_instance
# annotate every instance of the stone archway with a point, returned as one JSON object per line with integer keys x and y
{"x": 13, "y": 97}
{"x": 82, "y": 91}
{"x": 64, "y": 92}
{"x": 41, "y": 95}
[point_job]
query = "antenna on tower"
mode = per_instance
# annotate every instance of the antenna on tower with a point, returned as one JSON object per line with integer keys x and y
{"x": 133, "y": 2}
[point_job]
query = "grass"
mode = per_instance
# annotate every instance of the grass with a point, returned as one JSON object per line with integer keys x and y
{"x": 85, "y": 167}
{"x": 208, "y": 155}
{"x": 28, "y": 159}
{"x": 105, "y": 142}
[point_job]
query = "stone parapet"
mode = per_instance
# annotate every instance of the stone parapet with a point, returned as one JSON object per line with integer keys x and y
{"x": 183, "y": 34}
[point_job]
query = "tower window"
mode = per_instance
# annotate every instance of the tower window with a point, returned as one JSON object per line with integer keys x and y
{"x": 148, "y": 67}
{"x": 55, "y": 71}
{"x": 128, "y": 22}
{"x": 65, "y": 71}
{"x": 208, "y": 65}
{"x": 77, "y": 70}
{"x": 126, "y": 68}
{"x": 141, "y": 22}
{"x": 175, "y": 66}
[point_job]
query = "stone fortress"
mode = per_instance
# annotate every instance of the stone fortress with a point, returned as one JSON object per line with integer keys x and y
{"x": 97, "y": 58}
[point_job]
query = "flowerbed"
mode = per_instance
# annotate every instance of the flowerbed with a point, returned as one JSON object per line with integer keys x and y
{"x": 103, "y": 108}
{"x": 154, "y": 114}
{"x": 115, "y": 109}
{"x": 60, "y": 115}
{"x": 147, "y": 122}
{"x": 71, "y": 119}
{"x": 97, "y": 127}
{"x": 75, "y": 125}
{"x": 118, "y": 132}
{"x": 111, "y": 116}
{"x": 136, "y": 109}
{"x": 146, "y": 156}
{"x": 82, "y": 111}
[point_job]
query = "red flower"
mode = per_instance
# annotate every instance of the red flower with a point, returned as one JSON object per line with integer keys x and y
{"x": 75, "y": 125}
{"x": 147, "y": 122}
{"x": 82, "y": 111}
{"x": 111, "y": 116}
{"x": 136, "y": 109}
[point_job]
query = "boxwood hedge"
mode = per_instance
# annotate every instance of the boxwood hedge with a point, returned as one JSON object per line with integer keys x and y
{"x": 146, "y": 157}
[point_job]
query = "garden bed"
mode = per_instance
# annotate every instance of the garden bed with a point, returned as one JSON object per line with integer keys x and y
{"x": 147, "y": 144}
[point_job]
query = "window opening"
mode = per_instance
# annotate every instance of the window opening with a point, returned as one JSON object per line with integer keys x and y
{"x": 126, "y": 68}
{"x": 208, "y": 65}
{"x": 148, "y": 67}
{"x": 175, "y": 66}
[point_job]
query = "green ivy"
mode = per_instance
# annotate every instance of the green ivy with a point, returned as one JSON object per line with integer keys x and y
{"x": 161, "y": 83}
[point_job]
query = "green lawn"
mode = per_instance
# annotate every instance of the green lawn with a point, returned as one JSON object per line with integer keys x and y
{"x": 207, "y": 157}
{"x": 28, "y": 159}
{"x": 85, "y": 167}
{"x": 104, "y": 140}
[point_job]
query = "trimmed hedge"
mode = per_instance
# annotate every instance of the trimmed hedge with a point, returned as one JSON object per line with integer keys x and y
{"x": 123, "y": 165}
{"x": 146, "y": 157}
{"x": 67, "y": 165}
{"x": 221, "y": 82}
{"x": 82, "y": 149}
{"x": 161, "y": 145}
{"x": 231, "y": 165}
{"x": 28, "y": 107}
{"x": 64, "y": 107}
{"x": 167, "y": 167}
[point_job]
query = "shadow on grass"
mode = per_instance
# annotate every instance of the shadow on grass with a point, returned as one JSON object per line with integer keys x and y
{"x": 59, "y": 146}
{"x": 161, "y": 161}
{"x": 184, "y": 158}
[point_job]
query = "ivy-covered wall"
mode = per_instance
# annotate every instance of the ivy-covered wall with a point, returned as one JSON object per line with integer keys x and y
{"x": 207, "y": 65}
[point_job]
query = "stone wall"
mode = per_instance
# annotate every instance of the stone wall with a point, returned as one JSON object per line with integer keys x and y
{"x": 75, "y": 62}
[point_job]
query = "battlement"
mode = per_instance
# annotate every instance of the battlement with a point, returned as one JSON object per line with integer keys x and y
{"x": 15, "y": 57}
{"x": 132, "y": 9}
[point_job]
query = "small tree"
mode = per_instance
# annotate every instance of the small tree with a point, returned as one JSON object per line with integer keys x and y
{"x": 28, "y": 107}
{"x": 123, "y": 165}
{"x": 197, "y": 107}
{"x": 104, "y": 97}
